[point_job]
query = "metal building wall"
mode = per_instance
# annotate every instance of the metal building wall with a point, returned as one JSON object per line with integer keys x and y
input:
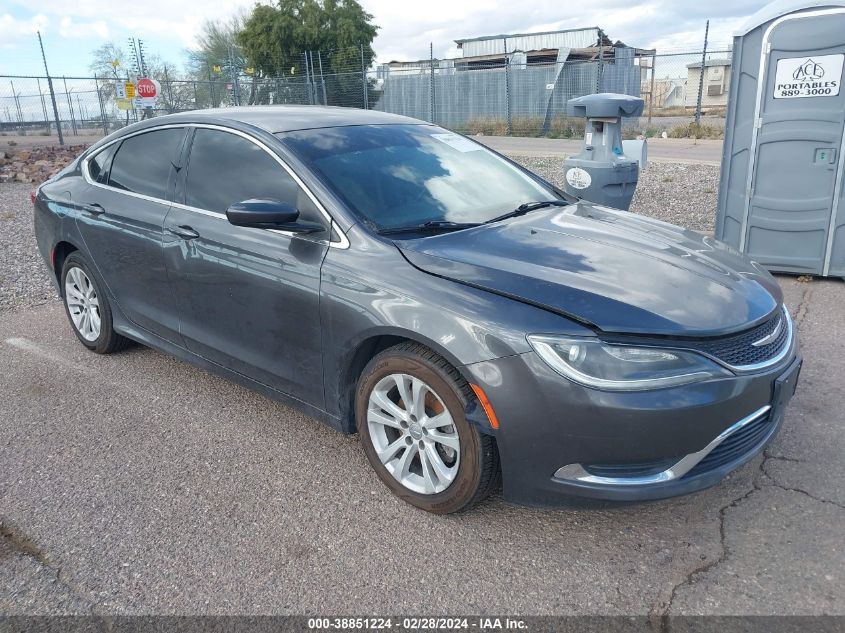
{"x": 494, "y": 45}
{"x": 517, "y": 92}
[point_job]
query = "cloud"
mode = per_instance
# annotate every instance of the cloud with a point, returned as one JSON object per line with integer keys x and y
{"x": 13, "y": 30}
{"x": 88, "y": 30}
{"x": 408, "y": 27}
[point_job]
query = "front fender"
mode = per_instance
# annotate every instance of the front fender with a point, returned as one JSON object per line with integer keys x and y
{"x": 370, "y": 291}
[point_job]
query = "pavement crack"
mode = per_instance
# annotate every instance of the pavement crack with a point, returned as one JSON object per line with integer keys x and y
{"x": 781, "y": 458}
{"x": 776, "y": 484}
{"x": 803, "y": 306}
{"x": 661, "y": 615}
{"x": 808, "y": 494}
{"x": 19, "y": 541}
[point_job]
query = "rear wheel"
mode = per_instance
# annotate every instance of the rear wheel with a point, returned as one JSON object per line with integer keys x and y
{"x": 410, "y": 407}
{"x": 88, "y": 308}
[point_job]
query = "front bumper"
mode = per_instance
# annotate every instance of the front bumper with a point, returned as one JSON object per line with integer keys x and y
{"x": 559, "y": 440}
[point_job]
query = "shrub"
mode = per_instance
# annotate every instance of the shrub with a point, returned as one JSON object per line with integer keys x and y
{"x": 696, "y": 130}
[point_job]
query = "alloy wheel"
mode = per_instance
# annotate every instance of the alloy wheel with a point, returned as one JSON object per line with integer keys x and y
{"x": 82, "y": 303}
{"x": 413, "y": 433}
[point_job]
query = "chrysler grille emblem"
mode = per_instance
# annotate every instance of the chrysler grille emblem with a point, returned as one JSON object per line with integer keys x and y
{"x": 770, "y": 338}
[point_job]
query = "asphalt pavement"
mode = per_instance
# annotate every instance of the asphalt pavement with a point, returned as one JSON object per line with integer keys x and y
{"x": 137, "y": 484}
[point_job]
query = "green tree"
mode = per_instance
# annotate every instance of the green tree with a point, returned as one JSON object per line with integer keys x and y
{"x": 273, "y": 38}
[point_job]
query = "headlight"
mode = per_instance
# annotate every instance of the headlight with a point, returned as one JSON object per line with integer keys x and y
{"x": 593, "y": 363}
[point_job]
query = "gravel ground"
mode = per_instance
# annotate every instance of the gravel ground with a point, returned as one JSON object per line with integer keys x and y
{"x": 677, "y": 193}
{"x": 24, "y": 279}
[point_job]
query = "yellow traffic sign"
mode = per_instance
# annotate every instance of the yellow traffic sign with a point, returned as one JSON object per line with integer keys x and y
{"x": 124, "y": 104}
{"x": 130, "y": 89}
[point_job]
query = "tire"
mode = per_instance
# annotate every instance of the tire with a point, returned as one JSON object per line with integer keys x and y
{"x": 466, "y": 472}
{"x": 82, "y": 294}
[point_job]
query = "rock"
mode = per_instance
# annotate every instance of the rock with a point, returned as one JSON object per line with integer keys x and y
{"x": 13, "y": 143}
{"x": 2, "y": 155}
{"x": 42, "y": 163}
{"x": 22, "y": 177}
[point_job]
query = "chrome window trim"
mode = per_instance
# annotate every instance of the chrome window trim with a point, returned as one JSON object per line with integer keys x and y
{"x": 576, "y": 472}
{"x": 342, "y": 243}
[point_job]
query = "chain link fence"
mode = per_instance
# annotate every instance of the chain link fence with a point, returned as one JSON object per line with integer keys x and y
{"x": 513, "y": 95}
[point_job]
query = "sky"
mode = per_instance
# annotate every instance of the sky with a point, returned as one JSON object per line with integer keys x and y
{"x": 71, "y": 29}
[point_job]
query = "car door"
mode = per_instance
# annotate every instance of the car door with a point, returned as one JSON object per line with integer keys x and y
{"x": 248, "y": 298}
{"x": 120, "y": 215}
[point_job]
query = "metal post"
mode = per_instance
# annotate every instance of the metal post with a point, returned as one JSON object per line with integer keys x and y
{"x": 43, "y": 105}
{"x": 70, "y": 107}
{"x": 364, "y": 80}
{"x": 233, "y": 73}
{"x": 170, "y": 107}
{"x": 508, "y": 87}
{"x": 308, "y": 78}
{"x": 313, "y": 87}
{"x": 196, "y": 97}
{"x": 651, "y": 94}
{"x": 322, "y": 77}
{"x": 52, "y": 93}
{"x": 18, "y": 110}
{"x": 600, "y": 62}
{"x": 102, "y": 107}
{"x": 431, "y": 82}
{"x": 701, "y": 75}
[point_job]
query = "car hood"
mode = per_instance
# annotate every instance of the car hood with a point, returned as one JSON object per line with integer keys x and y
{"x": 617, "y": 271}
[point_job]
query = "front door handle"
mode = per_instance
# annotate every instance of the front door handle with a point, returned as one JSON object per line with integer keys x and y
{"x": 185, "y": 232}
{"x": 93, "y": 209}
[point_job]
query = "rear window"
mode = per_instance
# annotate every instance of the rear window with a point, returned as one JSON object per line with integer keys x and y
{"x": 143, "y": 163}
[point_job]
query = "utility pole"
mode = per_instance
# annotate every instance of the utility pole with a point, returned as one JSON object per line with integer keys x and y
{"x": 52, "y": 93}
{"x": 701, "y": 75}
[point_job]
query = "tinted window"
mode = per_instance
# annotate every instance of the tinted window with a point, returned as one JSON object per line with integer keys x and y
{"x": 225, "y": 168}
{"x": 143, "y": 162}
{"x": 99, "y": 163}
{"x": 396, "y": 175}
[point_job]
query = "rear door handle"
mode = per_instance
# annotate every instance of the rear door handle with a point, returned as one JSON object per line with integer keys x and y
{"x": 93, "y": 209}
{"x": 185, "y": 232}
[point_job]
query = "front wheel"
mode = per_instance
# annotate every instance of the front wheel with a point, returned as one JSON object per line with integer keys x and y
{"x": 409, "y": 408}
{"x": 87, "y": 307}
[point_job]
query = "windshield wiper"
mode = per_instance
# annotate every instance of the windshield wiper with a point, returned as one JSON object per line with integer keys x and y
{"x": 431, "y": 225}
{"x": 528, "y": 206}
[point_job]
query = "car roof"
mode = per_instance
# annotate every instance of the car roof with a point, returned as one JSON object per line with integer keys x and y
{"x": 287, "y": 118}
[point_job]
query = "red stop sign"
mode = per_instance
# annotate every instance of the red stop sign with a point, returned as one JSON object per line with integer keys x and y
{"x": 146, "y": 88}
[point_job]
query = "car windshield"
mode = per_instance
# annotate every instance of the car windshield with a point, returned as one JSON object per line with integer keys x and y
{"x": 407, "y": 175}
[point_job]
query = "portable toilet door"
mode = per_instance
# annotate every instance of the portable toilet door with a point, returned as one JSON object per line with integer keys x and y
{"x": 781, "y": 197}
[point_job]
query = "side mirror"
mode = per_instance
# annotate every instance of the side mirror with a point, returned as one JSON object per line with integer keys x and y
{"x": 269, "y": 214}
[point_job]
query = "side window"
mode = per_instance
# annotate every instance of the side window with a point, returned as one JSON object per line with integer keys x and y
{"x": 98, "y": 164}
{"x": 225, "y": 168}
{"x": 143, "y": 162}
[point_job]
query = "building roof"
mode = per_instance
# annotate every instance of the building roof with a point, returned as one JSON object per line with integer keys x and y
{"x": 711, "y": 62}
{"x": 502, "y": 36}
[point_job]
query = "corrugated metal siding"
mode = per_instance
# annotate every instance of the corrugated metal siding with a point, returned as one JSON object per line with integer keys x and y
{"x": 583, "y": 38}
{"x": 536, "y": 92}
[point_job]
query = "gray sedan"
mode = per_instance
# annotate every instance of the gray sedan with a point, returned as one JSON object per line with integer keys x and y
{"x": 469, "y": 320}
